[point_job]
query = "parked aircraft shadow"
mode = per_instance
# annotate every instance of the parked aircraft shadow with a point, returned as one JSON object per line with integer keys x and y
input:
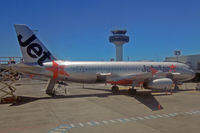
{"x": 97, "y": 89}
{"x": 25, "y": 99}
{"x": 148, "y": 99}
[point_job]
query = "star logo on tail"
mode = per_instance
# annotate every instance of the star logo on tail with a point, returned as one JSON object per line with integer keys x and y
{"x": 172, "y": 68}
{"x": 56, "y": 69}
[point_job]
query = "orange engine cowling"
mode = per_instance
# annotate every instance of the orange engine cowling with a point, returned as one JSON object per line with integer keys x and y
{"x": 163, "y": 83}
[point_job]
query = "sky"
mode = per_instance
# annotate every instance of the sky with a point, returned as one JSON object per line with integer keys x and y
{"x": 78, "y": 30}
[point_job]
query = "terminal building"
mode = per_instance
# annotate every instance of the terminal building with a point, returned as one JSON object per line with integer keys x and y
{"x": 193, "y": 61}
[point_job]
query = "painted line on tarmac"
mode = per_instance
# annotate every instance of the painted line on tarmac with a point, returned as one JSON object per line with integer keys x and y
{"x": 66, "y": 127}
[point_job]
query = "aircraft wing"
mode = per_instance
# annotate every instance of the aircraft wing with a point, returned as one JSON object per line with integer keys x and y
{"x": 166, "y": 74}
{"x": 136, "y": 77}
{"x": 141, "y": 77}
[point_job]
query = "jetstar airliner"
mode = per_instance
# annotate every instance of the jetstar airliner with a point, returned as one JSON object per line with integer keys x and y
{"x": 153, "y": 75}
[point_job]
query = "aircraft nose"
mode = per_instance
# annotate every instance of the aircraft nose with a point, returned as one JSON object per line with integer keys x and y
{"x": 192, "y": 74}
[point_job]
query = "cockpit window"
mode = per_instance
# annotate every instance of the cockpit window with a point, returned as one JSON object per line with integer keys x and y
{"x": 187, "y": 67}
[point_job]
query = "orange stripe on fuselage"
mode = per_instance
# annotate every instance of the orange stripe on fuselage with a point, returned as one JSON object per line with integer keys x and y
{"x": 121, "y": 82}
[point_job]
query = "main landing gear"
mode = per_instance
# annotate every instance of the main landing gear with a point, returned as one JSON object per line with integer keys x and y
{"x": 176, "y": 88}
{"x": 115, "y": 90}
{"x": 132, "y": 90}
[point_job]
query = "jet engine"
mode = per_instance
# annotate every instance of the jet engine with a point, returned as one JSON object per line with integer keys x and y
{"x": 163, "y": 83}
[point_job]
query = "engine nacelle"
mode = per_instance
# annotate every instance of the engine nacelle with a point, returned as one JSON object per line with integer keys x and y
{"x": 163, "y": 83}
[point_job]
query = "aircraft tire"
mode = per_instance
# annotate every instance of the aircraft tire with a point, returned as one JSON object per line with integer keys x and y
{"x": 115, "y": 89}
{"x": 132, "y": 91}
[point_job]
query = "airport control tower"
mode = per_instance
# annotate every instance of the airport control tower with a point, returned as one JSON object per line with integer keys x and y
{"x": 119, "y": 38}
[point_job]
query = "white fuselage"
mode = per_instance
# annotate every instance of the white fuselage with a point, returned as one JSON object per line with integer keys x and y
{"x": 39, "y": 61}
{"x": 92, "y": 72}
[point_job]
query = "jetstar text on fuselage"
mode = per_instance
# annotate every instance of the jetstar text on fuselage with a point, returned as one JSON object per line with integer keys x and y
{"x": 158, "y": 68}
